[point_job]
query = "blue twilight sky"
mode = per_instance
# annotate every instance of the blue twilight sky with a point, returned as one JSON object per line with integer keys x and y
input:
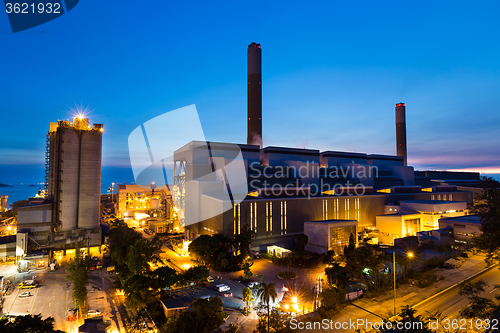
{"x": 332, "y": 73}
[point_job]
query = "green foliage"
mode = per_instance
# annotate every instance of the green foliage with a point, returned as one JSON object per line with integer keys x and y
{"x": 28, "y": 324}
{"x": 276, "y": 323}
{"x": 247, "y": 296}
{"x": 487, "y": 206}
{"x": 337, "y": 276}
{"x": 77, "y": 274}
{"x": 216, "y": 251}
{"x": 479, "y": 307}
{"x": 195, "y": 274}
{"x": 267, "y": 294}
{"x": 132, "y": 255}
{"x": 247, "y": 273}
{"x": 203, "y": 249}
{"x": 243, "y": 241}
{"x": 331, "y": 298}
{"x": 408, "y": 315}
{"x": 301, "y": 259}
{"x": 139, "y": 290}
{"x": 205, "y": 316}
{"x": 121, "y": 237}
{"x": 301, "y": 241}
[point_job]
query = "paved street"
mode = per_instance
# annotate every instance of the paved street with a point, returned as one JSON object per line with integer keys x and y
{"x": 449, "y": 302}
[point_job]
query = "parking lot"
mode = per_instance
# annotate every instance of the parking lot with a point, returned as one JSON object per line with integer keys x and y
{"x": 52, "y": 298}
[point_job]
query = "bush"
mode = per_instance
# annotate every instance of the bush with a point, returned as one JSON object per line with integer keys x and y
{"x": 287, "y": 275}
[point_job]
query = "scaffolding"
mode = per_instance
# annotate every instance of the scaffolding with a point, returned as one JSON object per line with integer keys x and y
{"x": 47, "y": 161}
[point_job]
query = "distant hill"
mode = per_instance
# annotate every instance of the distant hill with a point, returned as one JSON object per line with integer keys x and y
{"x": 4, "y": 185}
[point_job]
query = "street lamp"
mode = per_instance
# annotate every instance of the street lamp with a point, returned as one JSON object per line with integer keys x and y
{"x": 410, "y": 255}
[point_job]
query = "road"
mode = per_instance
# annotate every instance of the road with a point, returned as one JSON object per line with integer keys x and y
{"x": 450, "y": 302}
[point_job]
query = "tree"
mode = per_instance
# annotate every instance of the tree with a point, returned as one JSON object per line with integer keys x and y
{"x": 487, "y": 206}
{"x": 164, "y": 277}
{"x": 247, "y": 296}
{"x": 277, "y": 323}
{"x": 349, "y": 249}
{"x": 78, "y": 275}
{"x": 205, "y": 316}
{"x": 331, "y": 297}
{"x": 479, "y": 307}
{"x": 243, "y": 241}
{"x": 28, "y": 324}
{"x": 418, "y": 325}
{"x": 195, "y": 274}
{"x": 121, "y": 237}
{"x": 247, "y": 272}
{"x": 14, "y": 206}
{"x": 267, "y": 294}
{"x": 138, "y": 290}
{"x": 203, "y": 249}
{"x": 301, "y": 241}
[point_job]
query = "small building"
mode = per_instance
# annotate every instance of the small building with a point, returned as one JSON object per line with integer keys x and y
{"x": 439, "y": 236}
{"x": 152, "y": 200}
{"x": 7, "y": 248}
{"x": 159, "y": 227}
{"x": 95, "y": 325}
{"x": 433, "y": 210}
{"x": 277, "y": 251}
{"x": 330, "y": 235}
{"x": 174, "y": 306}
{"x": 464, "y": 227}
{"x": 401, "y": 224}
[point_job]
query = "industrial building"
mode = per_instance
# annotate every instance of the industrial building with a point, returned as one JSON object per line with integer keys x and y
{"x": 288, "y": 187}
{"x": 280, "y": 192}
{"x": 137, "y": 199}
{"x": 327, "y": 235}
{"x": 70, "y": 214}
{"x": 3, "y": 203}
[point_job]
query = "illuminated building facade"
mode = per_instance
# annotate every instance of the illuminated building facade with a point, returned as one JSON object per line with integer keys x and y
{"x": 288, "y": 187}
{"x": 69, "y": 218}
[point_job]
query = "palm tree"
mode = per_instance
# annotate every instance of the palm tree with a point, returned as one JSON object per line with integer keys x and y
{"x": 267, "y": 294}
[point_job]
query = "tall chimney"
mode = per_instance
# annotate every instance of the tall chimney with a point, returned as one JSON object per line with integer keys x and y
{"x": 401, "y": 130}
{"x": 254, "y": 94}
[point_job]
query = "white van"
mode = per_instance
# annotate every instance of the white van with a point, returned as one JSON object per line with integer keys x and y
{"x": 223, "y": 288}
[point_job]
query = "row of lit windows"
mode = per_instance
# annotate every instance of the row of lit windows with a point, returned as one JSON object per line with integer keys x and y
{"x": 444, "y": 198}
{"x": 347, "y": 210}
{"x": 253, "y": 217}
{"x": 237, "y": 219}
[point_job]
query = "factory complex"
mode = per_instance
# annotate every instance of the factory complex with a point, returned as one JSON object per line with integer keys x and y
{"x": 224, "y": 188}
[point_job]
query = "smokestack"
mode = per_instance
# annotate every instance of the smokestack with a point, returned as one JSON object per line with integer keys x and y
{"x": 254, "y": 94}
{"x": 401, "y": 130}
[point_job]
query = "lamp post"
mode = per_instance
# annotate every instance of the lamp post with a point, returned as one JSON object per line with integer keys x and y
{"x": 394, "y": 277}
{"x": 409, "y": 255}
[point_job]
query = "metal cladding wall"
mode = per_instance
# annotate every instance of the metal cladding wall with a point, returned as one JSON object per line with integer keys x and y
{"x": 68, "y": 177}
{"x": 254, "y": 94}
{"x": 401, "y": 131}
{"x": 90, "y": 180}
{"x": 75, "y": 175}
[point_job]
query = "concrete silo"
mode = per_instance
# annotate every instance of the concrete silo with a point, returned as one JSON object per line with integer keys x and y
{"x": 74, "y": 176}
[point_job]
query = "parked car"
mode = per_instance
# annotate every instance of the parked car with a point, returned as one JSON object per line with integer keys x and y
{"x": 70, "y": 315}
{"x": 256, "y": 254}
{"x": 239, "y": 279}
{"x": 205, "y": 297}
{"x": 227, "y": 294}
{"x": 28, "y": 284}
{"x": 223, "y": 288}
{"x": 253, "y": 284}
{"x": 210, "y": 279}
{"x": 93, "y": 313}
{"x": 25, "y": 294}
